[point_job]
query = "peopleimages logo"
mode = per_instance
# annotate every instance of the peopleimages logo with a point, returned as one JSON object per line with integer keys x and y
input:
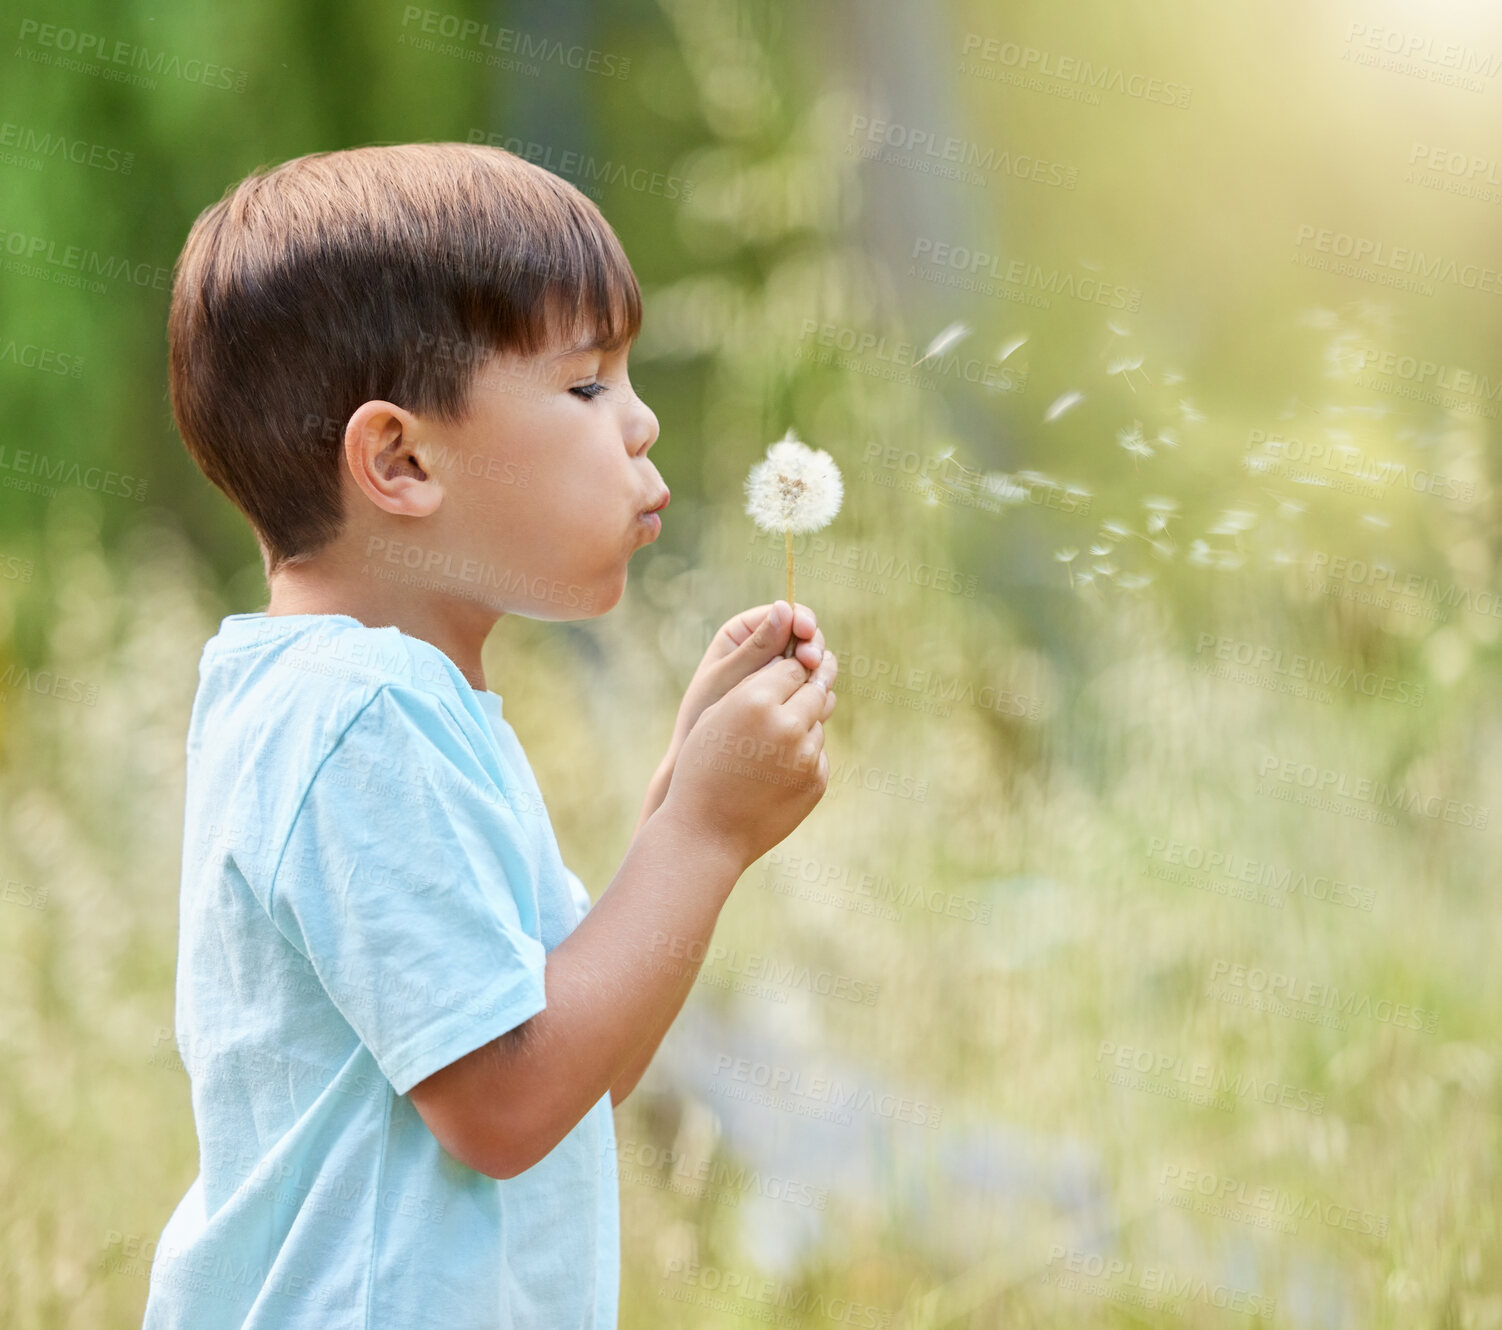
{"x": 1379, "y": 793}
{"x": 1399, "y": 258}
{"x": 978, "y": 268}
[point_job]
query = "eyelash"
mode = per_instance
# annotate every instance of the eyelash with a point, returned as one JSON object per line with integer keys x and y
{"x": 589, "y": 391}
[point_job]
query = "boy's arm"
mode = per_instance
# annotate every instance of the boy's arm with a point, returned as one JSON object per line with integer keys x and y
{"x": 657, "y": 789}
{"x": 626, "y": 968}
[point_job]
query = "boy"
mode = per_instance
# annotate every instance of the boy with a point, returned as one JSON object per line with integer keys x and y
{"x": 404, "y": 1024}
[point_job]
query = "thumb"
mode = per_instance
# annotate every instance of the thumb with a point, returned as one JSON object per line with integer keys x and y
{"x": 765, "y": 644}
{"x": 772, "y": 633}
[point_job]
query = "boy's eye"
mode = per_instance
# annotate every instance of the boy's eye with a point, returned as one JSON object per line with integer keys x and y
{"x": 589, "y": 391}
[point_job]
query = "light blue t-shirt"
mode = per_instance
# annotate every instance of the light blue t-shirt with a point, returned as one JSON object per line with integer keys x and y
{"x": 370, "y": 885}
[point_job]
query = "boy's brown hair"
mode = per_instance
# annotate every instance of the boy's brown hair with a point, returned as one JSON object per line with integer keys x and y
{"x": 385, "y": 273}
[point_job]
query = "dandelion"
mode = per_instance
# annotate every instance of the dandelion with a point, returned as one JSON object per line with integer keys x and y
{"x": 795, "y": 488}
{"x": 1061, "y": 405}
{"x": 952, "y": 334}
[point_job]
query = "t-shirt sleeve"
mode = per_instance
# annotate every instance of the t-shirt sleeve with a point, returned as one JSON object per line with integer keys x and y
{"x": 406, "y": 882}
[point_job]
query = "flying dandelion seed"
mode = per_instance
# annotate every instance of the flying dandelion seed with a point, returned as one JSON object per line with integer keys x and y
{"x": 1037, "y": 479}
{"x": 1189, "y": 411}
{"x": 998, "y": 485}
{"x": 1067, "y": 556}
{"x": 1167, "y": 438}
{"x": 1171, "y": 377}
{"x": 1061, "y": 405}
{"x": 1233, "y": 522}
{"x": 795, "y": 488}
{"x": 1133, "y": 581}
{"x": 1372, "y": 519}
{"x": 1100, "y": 550}
{"x": 1126, "y": 366}
{"x": 1132, "y": 440}
{"x": 1010, "y": 345}
{"x": 1118, "y": 329}
{"x": 1119, "y": 530}
{"x": 952, "y": 334}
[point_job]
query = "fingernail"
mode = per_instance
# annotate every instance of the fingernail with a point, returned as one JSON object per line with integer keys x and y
{"x": 775, "y": 618}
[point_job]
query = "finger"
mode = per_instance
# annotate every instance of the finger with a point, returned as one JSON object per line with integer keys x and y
{"x": 812, "y": 652}
{"x": 737, "y": 630}
{"x": 783, "y": 677}
{"x": 807, "y": 701}
{"x": 804, "y": 621}
{"x": 768, "y": 637}
{"x": 829, "y": 704}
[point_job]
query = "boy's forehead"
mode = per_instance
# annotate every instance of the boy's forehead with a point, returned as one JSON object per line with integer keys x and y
{"x": 578, "y": 347}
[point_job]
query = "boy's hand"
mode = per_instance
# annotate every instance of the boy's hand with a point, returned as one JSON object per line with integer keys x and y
{"x": 754, "y": 766}
{"x": 742, "y": 646}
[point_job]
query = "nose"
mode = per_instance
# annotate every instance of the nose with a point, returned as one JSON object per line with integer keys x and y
{"x": 644, "y": 428}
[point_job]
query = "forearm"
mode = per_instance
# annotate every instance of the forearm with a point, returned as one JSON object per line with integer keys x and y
{"x": 657, "y": 789}
{"x": 614, "y": 984}
{"x": 641, "y": 1059}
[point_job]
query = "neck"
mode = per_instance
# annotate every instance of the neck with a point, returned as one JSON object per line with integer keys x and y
{"x": 457, "y": 627}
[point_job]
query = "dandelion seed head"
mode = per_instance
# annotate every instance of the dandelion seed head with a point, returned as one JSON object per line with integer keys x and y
{"x": 794, "y": 488}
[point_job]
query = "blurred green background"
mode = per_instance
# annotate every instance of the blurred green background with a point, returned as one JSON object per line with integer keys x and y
{"x": 1151, "y": 914}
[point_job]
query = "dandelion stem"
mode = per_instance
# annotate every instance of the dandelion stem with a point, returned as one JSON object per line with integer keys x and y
{"x": 792, "y": 641}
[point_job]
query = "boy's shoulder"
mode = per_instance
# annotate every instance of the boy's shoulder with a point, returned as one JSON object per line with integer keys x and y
{"x": 371, "y": 715}
{"x": 283, "y": 692}
{"x": 313, "y": 658}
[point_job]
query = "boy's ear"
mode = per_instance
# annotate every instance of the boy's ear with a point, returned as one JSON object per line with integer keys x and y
{"x": 383, "y": 455}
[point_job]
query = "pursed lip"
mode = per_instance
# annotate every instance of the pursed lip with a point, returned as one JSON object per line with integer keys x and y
{"x": 660, "y": 504}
